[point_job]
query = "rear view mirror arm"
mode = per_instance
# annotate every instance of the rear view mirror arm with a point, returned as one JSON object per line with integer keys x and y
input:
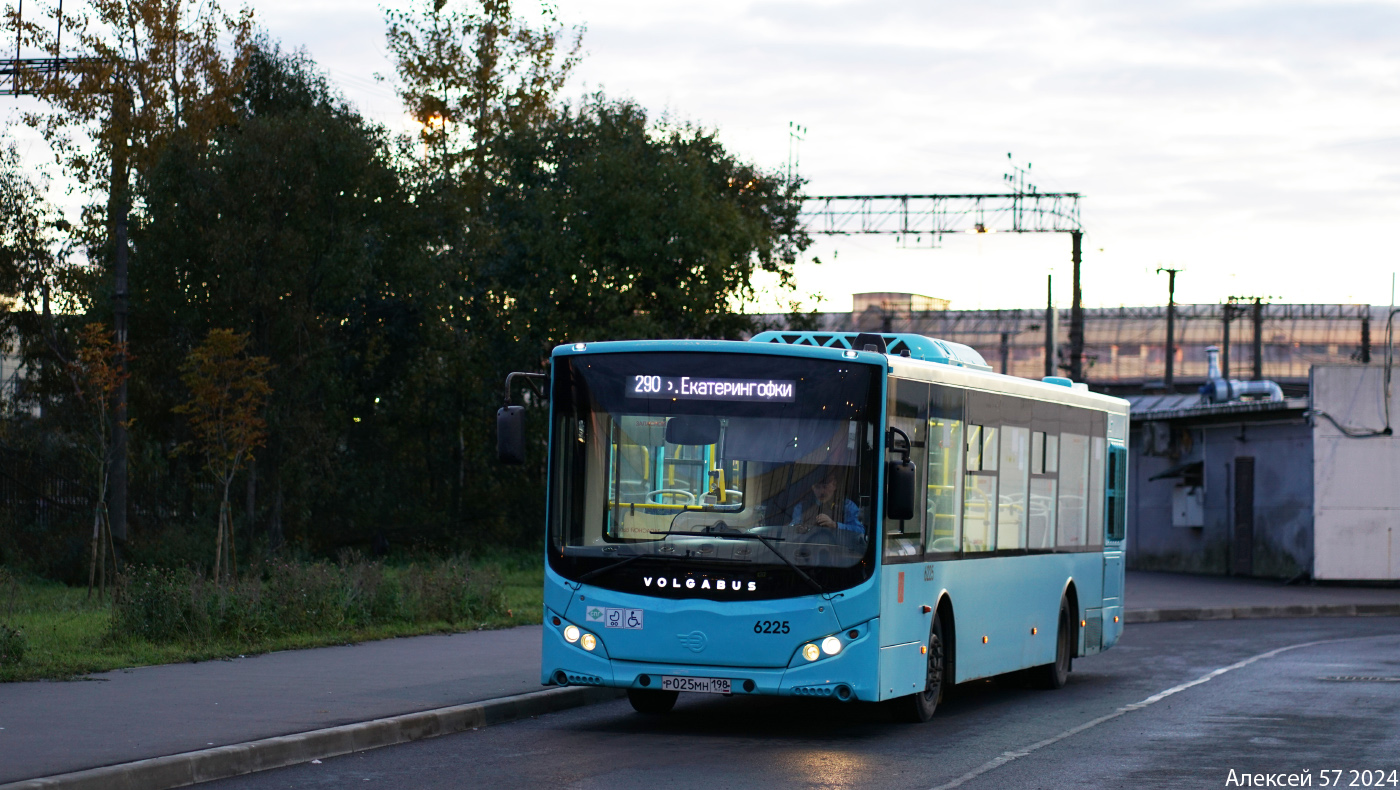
{"x": 889, "y": 443}
{"x": 530, "y": 378}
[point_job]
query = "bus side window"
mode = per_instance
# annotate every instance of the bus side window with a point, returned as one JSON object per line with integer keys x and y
{"x": 908, "y": 411}
{"x": 1096, "y": 495}
{"x": 980, "y": 489}
{"x": 1011, "y": 500}
{"x": 942, "y": 525}
{"x": 1074, "y": 489}
{"x": 1040, "y": 531}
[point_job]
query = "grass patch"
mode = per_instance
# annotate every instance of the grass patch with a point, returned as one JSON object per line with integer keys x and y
{"x": 175, "y": 617}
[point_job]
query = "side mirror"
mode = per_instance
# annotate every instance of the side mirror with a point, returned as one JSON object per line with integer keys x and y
{"x": 900, "y": 484}
{"x": 692, "y": 430}
{"x": 510, "y": 435}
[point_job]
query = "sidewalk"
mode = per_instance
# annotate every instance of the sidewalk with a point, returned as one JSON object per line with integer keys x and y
{"x": 49, "y": 728}
{"x": 1158, "y": 597}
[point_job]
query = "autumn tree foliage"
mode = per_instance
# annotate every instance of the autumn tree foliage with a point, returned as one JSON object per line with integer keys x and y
{"x": 147, "y": 69}
{"x": 467, "y": 70}
{"x": 228, "y": 390}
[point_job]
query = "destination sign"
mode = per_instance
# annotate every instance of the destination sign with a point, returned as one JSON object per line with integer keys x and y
{"x": 704, "y": 388}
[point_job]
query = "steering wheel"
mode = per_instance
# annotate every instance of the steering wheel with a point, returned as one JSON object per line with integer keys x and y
{"x": 689, "y": 497}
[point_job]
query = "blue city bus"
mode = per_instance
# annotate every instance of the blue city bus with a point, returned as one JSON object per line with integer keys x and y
{"x": 861, "y": 517}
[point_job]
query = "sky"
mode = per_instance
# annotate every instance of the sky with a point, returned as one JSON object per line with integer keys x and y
{"x": 1255, "y": 146}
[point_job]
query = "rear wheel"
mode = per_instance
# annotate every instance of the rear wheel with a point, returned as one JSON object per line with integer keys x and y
{"x": 920, "y": 707}
{"x": 1054, "y": 675}
{"x": 652, "y": 701}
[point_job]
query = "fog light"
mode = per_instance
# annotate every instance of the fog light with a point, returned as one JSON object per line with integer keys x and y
{"x": 571, "y": 633}
{"x": 811, "y": 652}
{"x": 589, "y": 641}
{"x": 831, "y": 645}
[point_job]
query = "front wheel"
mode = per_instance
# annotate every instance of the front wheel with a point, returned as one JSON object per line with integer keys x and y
{"x": 652, "y": 701}
{"x": 919, "y": 707}
{"x": 1053, "y": 676}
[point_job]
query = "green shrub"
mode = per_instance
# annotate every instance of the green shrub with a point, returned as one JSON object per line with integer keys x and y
{"x": 282, "y": 598}
{"x": 12, "y": 645}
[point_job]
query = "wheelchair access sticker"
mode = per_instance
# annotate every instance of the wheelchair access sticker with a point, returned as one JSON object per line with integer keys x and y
{"x": 616, "y": 618}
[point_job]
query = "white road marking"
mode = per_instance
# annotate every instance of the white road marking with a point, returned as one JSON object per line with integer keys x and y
{"x": 1007, "y": 757}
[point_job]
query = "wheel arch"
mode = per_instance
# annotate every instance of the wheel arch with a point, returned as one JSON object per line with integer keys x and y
{"x": 1071, "y": 596}
{"x": 950, "y": 636}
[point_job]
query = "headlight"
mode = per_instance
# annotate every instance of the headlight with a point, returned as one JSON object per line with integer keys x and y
{"x": 571, "y": 633}
{"x": 831, "y": 645}
{"x": 589, "y": 641}
{"x": 810, "y": 652}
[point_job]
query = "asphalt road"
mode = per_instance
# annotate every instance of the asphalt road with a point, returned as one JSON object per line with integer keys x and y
{"x": 1294, "y": 696}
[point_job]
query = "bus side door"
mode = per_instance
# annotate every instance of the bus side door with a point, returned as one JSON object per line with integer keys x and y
{"x": 1115, "y": 531}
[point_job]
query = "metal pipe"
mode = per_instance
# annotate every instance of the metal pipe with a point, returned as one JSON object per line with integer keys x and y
{"x": 1219, "y": 389}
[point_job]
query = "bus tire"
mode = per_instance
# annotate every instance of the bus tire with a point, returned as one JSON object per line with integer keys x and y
{"x": 917, "y": 708}
{"x": 652, "y": 701}
{"x": 1054, "y": 675}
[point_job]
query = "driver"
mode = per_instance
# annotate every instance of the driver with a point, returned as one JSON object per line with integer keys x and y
{"x": 822, "y": 509}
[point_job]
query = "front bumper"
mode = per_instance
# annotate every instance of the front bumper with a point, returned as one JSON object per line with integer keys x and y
{"x": 850, "y": 674}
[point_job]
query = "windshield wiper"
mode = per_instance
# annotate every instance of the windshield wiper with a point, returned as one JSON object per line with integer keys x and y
{"x": 614, "y": 566}
{"x": 765, "y": 541}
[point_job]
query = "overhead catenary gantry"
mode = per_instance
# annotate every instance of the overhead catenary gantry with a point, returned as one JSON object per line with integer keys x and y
{"x": 1025, "y": 210}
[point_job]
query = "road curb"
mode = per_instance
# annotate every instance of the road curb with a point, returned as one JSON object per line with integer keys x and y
{"x": 1261, "y": 612}
{"x": 180, "y": 770}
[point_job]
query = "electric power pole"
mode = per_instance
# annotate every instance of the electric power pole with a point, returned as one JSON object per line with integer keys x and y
{"x": 1228, "y": 311}
{"x": 1171, "y": 325}
{"x": 1258, "y": 338}
{"x": 1257, "y": 316}
{"x": 1051, "y": 329}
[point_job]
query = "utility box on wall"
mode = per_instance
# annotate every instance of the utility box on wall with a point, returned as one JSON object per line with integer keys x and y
{"x": 1188, "y": 506}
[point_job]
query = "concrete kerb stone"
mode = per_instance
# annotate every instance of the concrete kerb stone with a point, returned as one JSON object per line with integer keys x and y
{"x": 180, "y": 770}
{"x": 1261, "y": 612}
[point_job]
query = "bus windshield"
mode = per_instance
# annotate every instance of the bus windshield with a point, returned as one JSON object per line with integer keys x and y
{"x": 736, "y": 460}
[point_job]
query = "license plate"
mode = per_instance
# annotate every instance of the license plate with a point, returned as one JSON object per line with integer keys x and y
{"x": 707, "y": 685}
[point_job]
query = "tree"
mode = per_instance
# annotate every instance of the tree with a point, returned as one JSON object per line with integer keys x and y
{"x": 610, "y": 227}
{"x": 475, "y": 67}
{"x": 228, "y": 390}
{"x": 295, "y": 227}
{"x": 149, "y": 68}
{"x": 96, "y": 377}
